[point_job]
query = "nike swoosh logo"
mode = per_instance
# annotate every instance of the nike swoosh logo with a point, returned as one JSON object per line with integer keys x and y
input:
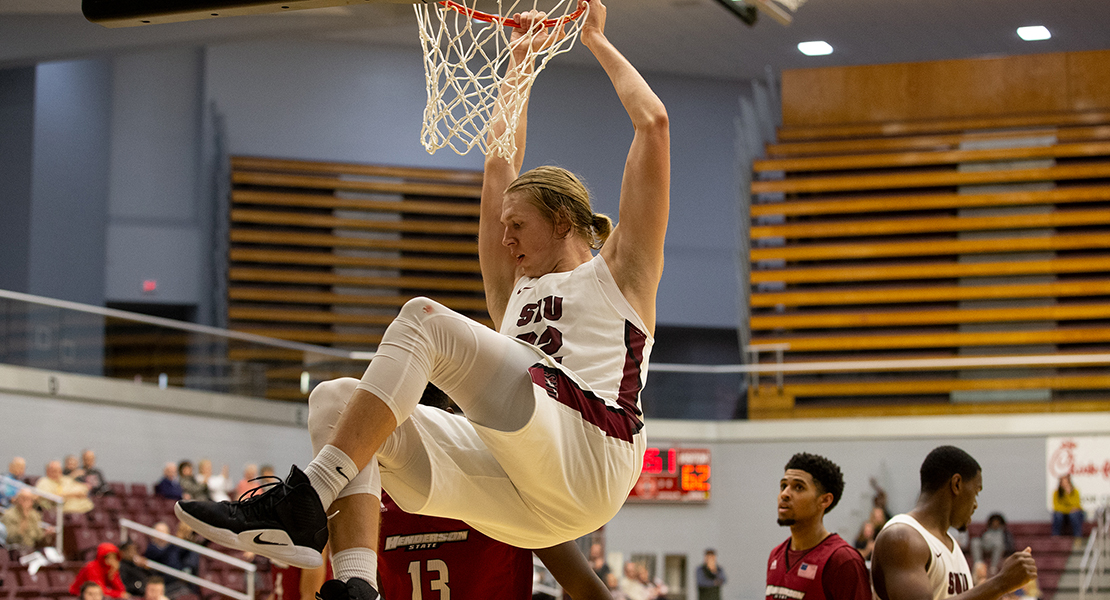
{"x": 938, "y": 554}
{"x": 340, "y": 470}
{"x": 527, "y": 287}
{"x": 261, "y": 542}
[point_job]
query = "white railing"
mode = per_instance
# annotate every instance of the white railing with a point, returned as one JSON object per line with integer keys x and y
{"x": 248, "y": 568}
{"x": 543, "y": 582}
{"x": 1096, "y": 557}
{"x": 57, "y": 500}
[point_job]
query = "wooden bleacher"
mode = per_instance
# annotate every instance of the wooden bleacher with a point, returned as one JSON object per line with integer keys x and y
{"x": 327, "y": 253}
{"x": 973, "y": 235}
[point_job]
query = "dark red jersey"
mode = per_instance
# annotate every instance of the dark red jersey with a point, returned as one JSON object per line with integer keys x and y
{"x": 831, "y": 570}
{"x": 447, "y": 559}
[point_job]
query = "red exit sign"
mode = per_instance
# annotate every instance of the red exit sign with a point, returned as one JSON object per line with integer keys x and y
{"x": 673, "y": 475}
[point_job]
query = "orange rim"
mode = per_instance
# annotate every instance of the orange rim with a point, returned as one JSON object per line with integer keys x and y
{"x": 506, "y": 21}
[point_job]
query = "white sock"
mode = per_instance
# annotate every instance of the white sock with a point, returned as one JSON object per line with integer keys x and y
{"x": 356, "y": 562}
{"x": 330, "y": 472}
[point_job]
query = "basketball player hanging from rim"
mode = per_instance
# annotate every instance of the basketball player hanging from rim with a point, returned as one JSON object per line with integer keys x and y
{"x": 552, "y": 441}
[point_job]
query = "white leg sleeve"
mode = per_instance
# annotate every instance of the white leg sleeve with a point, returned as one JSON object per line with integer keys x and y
{"x": 326, "y": 404}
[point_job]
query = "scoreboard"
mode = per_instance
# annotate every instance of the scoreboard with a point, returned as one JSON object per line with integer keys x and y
{"x": 673, "y": 475}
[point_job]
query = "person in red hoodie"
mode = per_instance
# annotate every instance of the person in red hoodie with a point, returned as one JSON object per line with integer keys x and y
{"x": 104, "y": 570}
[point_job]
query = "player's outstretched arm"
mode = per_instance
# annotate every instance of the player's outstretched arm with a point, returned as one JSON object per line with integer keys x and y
{"x": 634, "y": 251}
{"x": 498, "y": 267}
{"x": 571, "y": 570}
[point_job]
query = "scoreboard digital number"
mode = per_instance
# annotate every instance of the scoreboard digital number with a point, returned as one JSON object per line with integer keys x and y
{"x": 673, "y": 475}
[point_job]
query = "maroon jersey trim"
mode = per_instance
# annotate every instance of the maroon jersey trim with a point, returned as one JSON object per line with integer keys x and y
{"x": 615, "y": 422}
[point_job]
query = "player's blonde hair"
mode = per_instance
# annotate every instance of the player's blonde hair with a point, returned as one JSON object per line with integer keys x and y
{"x": 560, "y": 196}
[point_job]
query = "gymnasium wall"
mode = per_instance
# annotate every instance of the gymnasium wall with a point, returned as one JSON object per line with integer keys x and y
{"x": 136, "y": 428}
{"x": 131, "y": 195}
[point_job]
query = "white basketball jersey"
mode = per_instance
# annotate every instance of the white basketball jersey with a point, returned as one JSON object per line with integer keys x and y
{"x": 581, "y": 320}
{"x": 948, "y": 571}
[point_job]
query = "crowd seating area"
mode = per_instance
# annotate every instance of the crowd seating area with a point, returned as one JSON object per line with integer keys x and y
{"x": 935, "y": 239}
{"x": 83, "y": 532}
{"x": 1052, "y": 553}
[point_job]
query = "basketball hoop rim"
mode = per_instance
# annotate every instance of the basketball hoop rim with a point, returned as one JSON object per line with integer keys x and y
{"x": 506, "y": 21}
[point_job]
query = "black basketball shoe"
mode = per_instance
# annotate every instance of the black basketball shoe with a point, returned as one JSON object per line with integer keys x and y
{"x": 354, "y": 589}
{"x": 282, "y": 520}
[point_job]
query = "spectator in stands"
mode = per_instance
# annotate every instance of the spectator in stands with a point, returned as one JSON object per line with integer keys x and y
{"x": 132, "y": 569}
{"x": 155, "y": 589}
{"x": 710, "y": 577}
{"x": 598, "y": 563}
{"x": 168, "y": 486}
{"x": 104, "y": 570}
{"x": 631, "y": 584}
{"x": 656, "y": 587}
{"x": 191, "y": 489}
{"x": 93, "y": 477}
{"x": 865, "y": 541}
{"x": 71, "y": 467}
{"x": 90, "y": 590}
{"x": 75, "y": 495}
{"x": 1067, "y": 507}
{"x": 994, "y": 545}
{"x": 8, "y": 489}
{"x": 219, "y": 486}
{"x": 879, "y": 502}
{"x": 250, "y": 472}
{"x": 266, "y": 471}
{"x": 23, "y": 522}
{"x": 173, "y": 556}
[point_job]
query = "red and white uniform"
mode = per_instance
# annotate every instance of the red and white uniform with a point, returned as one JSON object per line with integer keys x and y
{"x": 948, "y": 572}
{"x": 442, "y": 556}
{"x": 831, "y": 570}
{"x": 551, "y": 443}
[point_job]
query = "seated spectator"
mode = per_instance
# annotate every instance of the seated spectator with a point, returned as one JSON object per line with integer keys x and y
{"x": 168, "y": 486}
{"x": 250, "y": 472}
{"x": 173, "y": 556}
{"x": 656, "y": 588}
{"x": 72, "y": 468}
{"x": 155, "y": 589}
{"x": 103, "y": 570}
{"x": 865, "y": 541}
{"x": 631, "y": 585}
{"x": 23, "y": 522}
{"x": 90, "y": 590}
{"x": 8, "y": 489}
{"x": 93, "y": 477}
{"x": 219, "y": 486}
{"x": 191, "y": 489}
{"x": 994, "y": 545}
{"x": 75, "y": 495}
{"x": 132, "y": 569}
{"x": 1067, "y": 507}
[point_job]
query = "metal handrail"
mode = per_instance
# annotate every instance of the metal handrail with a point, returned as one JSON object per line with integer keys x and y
{"x": 1098, "y": 544}
{"x": 778, "y": 367}
{"x": 58, "y": 505}
{"x": 248, "y": 568}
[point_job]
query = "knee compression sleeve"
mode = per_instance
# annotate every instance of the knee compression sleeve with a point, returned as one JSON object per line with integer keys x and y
{"x": 325, "y": 407}
{"x": 426, "y": 342}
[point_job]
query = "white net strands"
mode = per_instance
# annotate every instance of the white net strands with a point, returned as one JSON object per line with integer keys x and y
{"x": 466, "y": 62}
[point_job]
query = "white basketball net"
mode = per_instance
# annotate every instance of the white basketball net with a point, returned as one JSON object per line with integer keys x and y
{"x": 465, "y": 64}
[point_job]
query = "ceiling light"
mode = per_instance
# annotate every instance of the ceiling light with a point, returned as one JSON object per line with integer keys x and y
{"x": 815, "y": 48}
{"x": 1033, "y": 33}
